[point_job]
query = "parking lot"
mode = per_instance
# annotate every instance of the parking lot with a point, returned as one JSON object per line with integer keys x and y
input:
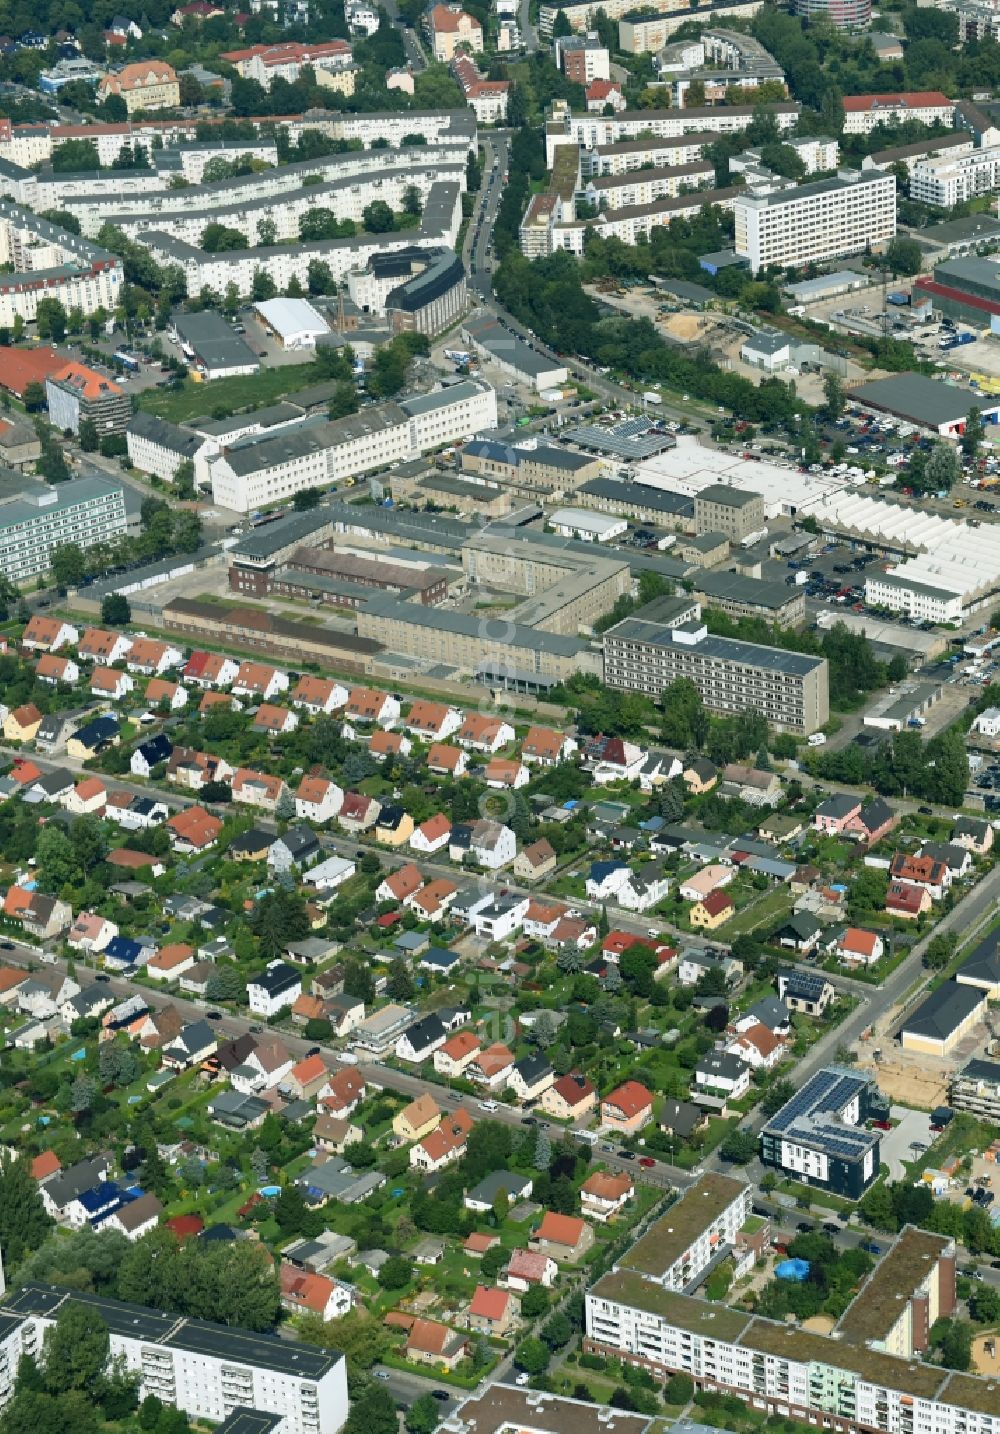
{"x": 901, "y": 1143}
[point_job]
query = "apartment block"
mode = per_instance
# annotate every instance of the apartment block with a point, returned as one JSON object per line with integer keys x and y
{"x": 159, "y": 447}
{"x": 207, "y": 1370}
{"x": 790, "y": 689}
{"x": 632, "y": 154}
{"x": 819, "y": 1136}
{"x": 815, "y": 222}
{"x": 737, "y": 512}
{"x": 863, "y": 113}
{"x": 583, "y": 58}
{"x": 36, "y": 518}
{"x": 77, "y": 394}
{"x": 591, "y": 130}
{"x": 680, "y": 1246}
{"x": 950, "y": 179}
{"x": 976, "y": 1088}
{"x": 900, "y": 1300}
{"x": 46, "y": 262}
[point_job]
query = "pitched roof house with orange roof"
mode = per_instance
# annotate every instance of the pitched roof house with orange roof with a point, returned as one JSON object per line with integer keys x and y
{"x": 260, "y": 680}
{"x": 431, "y": 835}
{"x": 366, "y": 704}
{"x": 389, "y": 744}
{"x": 544, "y": 746}
{"x": 450, "y": 26}
{"x": 444, "y": 1145}
{"x": 22, "y": 724}
{"x": 506, "y": 773}
{"x": 307, "y": 1078}
{"x": 564, "y": 1237}
{"x": 605, "y": 1193}
{"x": 452, "y": 1058}
{"x": 52, "y": 668}
{"x": 111, "y": 682}
{"x": 432, "y": 901}
{"x": 417, "y": 1119}
{"x": 571, "y": 1097}
{"x": 493, "y": 1312}
{"x": 210, "y": 669}
{"x": 535, "y": 861}
{"x": 150, "y": 657}
{"x": 433, "y": 721}
{"x": 856, "y": 947}
{"x": 627, "y": 1108}
{"x": 159, "y": 689}
{"x": 759, "y": 1047}
{"x": 276, "y": 721}
{"x": 447, "y": 761}
{"x": 305, "y": 1291}
{"x": 48, "y": 634}
{"x": 481, "y": 732}
{"x": 429, "y": 1342}
{"x": 317, "y": 799}
{"x": 318, "y": 695}
{"x": 11, "y": 978}
{"x": 87, "y": 797}
{"x": 257, "y": 789}
{"x": 400, "y": 884}
{"x": 492, "y": 1067}
{"x": 193, "y": 829}
{"x": 99, "y": 644}
{"x": 170, "y": 962}
{"x": 90, "y": 932}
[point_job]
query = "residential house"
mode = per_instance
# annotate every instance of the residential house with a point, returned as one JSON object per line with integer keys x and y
{"x": 429, "y": 1342}
{"x": 196, "y": 980}
{"x": 195, "y": 1044}
{"x": 274, "y": 721}
{"x": 60, "y": 1190}
{"x": 506, "y": 773}
{"x": 22, "y": 724}
{"x": 365, "y": 705}
{"x": 274, "y": 989}
{"x": 295, "y": 850}
{"x": 605, "y": 1194}
{"x": 457, "y": 1052}
{"x": 152, "y": 658}
{"x": 644, "y": 889}
{"x": 544, "y": 747}
{"x": 358, "y": 813}
{"x": 719, "y": 1077}
{"x": 957, "y": 858}
{"x": 306, "y": 1078}
{"x": 974, "y": 834}
{"x": 542, "y": 916}
{"x": 571, "y": 1097}
{"x": 393, "y": 826}
{"x": 150, "y": 753}
{"x": 417, "y": 1119}
{"x": 259, "y": 680}
{"x": 343, "y": 1093}
{"x": 54, "y": 669}
{"x": 432, "y": 721}
{"x": 447, "y": 761}
{"x": 924, "y": 871}
{"x": 874, "y": 821}
{"x": 486, "y": 843}
{"x": 493, "y": 1312}
{"x": 100, "y": 645}
{"x": 433, "y": 901}
{"x": 90, "y": 933}
{"x": 498, "y": 1183}
{"x": 627, "y": 1109}
{"x": 420, "y": 1040}
{"x": 535, "y": 862}
{"x": 444, "y": 1145}
{"x": 267, "y": 1065}
{"x": 492, "y": 1067}
{"x": 385, "y": 745}
{"x": 431, "y": 835}
{"x": 753, "y": 786}
{"x": 799, "y": 932}
{"x": 170, "y": 694}
{"x": 681, "y": 1119}
{"x": 835, "y": 813}
{"x": 319, "y": 696}
{"x": 135, "y": 1218}
{"x": 318, "y": 799}
{"x": 193, "y": 830}
{"x": 907, "y": 902}
{"x": 710, "y": 878}
{"x": 193, "y": 770}
{"x": 760, "y": 1048}
{"x": 528, "y": 1268}
{"x": 333, "y": 1135}
{"x": 481, "y": 732}
{"x": 41, "y": 916}
{"x": 856, "y": 947}
{"x": 565, "y": 1238}
{"x": 500, "y": 917}
{"x": 807, "y": 992}
{"x": 575, "y": 933}
{"x": 712, "y": 910}
{"x": 210, "y": 669}
{"x": 257, "y": 789}
{"x": 531, "y": 1076}
{"x": 170, "y": 962}
{"x": 306, "y": 1291}
{"x": 401, "y": 884}
{"x": 606, "y": 879}
{"x": 699, "y": 776}
{"x": 48, "y": 634}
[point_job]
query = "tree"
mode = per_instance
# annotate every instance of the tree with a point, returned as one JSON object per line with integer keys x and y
{"x": 942, "y": 468}
{"x": 739, "y": 1147}
{"x": 557, "y": 1331}
{"x": 67, "y": 563}
{"x": 88, "y": 435}
{"x": 423, "y": 1415}
{"x": 532, "y": 1355}
{"x": 262, "y": 286}
{"x": 284, "y": 807}
{"x": 82, "y": 1094}
{"x": 34, "y": 396}
{"x": 679, "y": 1389}
{"x": 305, "y": 499}
{"x": 833, "y": 390}
{"x": 50, "y": 320}
{"x": 972, "y": 438}
{"x": 23, "y": 1221}
{"x": 984, "y": 1304}
{"x": 57, "y": 859}
{"x": 344, "y": 400}
{"x": 115, "y": 610}
{"x": 776, "y": 1096}
{"x": 412, "y": 203}
{"x": 76, "y": 1349}
{"x": 400, "y": 984}
{"x": 378, "y": 217}
{"x": 561, "y": 28}
{"x": 373, "y": 1411}
{"x": 904, "y": 256}
{"x": 184, "y": 479}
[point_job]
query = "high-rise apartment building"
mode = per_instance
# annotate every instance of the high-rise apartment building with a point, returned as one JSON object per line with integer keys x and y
{"x": 35, "y": 518}
{"x": 815, "y": 222}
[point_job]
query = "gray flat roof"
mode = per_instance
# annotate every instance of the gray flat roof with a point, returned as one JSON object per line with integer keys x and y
{"x": 922, "y": 400}
{"x": 730, "y": 497}
{"x": 749, "y": 590}
{"x": 87, "y": 489}
{"x": 810, "y": 191}
{"x": 509, "y": 634}
{"x": 263, "y": 1351}
{"x": 614, "y": 490}
{"x": 214, "y": 341}
{"x": 726, "y": 649}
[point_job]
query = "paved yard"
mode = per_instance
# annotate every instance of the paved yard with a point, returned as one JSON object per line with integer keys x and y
{"x": 896, "y": 1143}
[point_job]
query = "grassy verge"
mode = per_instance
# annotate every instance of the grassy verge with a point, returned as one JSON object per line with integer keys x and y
{"x": 256, "y": 390}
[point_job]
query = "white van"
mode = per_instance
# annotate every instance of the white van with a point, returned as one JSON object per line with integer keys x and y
{"x": 817, "y": 739}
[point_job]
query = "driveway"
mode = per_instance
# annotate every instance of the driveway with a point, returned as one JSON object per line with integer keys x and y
{"x": 913, "y": 1125}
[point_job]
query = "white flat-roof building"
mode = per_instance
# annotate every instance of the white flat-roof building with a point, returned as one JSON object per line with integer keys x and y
{"x": 294, "y": 322}
{"x": 815, "y": 222}
{"x": 591, "y": 527}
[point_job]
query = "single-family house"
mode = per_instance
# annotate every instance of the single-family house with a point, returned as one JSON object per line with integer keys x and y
{"x": 432, "y": 721}
{"x": 456, "y": 1053}
{"x": 366, "y": 705}
{"x": 531, "y": 1076}
{"x": 317, "y": 799}
{"x": 394, "y": 825}
{"x": 343, "y": 1093}
{"x": 544, "y": 747}
{"x": 808, "y": 992}
{"x": 444, "y": 1145}
{"x": 491, "y": 1067}
{"x": 259, "y": 680}
{"x": 161, "y": 691}
{"x": 150, "y": 753}
{"x": 798, "y": 932}
{"x": 170, "y": 962}
{"x": 856, "y": 947}
{"x": 54, "y": 669}
{"x": 712, "y": 910}
{"x": 710, "y": 878}
{"x": 564, "y": 1237}
{"x": 429, "y": 1342}
{"x": 274, "y": 989}
{"x": 481, "y": 732}
{"x": 419, "y": 1041}
{"x": 720, "y": 1076}
{"x": 444, "y": 760}
{"x": 111, "y": 682}
{"x": 257, "y": 789}
{"x": 151, "y": 658}
{"x": 528, "y": 1268}
{"x": 493, "y": 1312}
{"x": 358, "y": 813}
{"x": 431, "y": 835}
{"x": 571, "y": 1097}
{"x": 627, "y": 1109}
{"x": 22, "y": 724}
{"x": 274, "y": 721}
{"x": 193, "y": 830}
{"x": 101, "y": 645}
{"x": 482, "y": 1197}
{"x": 90, "y": 933}
{"x": 506, "y": 773}
{"x": 907, "y": 902}
{"x": 294, "y": 850}
{"x": 307, "y": 1291}
{"x": 536, "y": 861}
{"x": 319, "y": 696}
{"x": 417, "y": 1119}
{"x": 48, "y": 634}
{"x": 974, "y": 833}
{"x": 606, "y": 879}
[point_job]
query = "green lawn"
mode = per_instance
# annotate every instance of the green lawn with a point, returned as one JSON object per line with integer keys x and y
{"x": 246, "y": 391}
{"x": 770, "y": 908}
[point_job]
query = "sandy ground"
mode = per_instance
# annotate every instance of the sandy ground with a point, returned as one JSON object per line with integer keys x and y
{"x": 819, "y": 1324}
{"x": 911, "y": 1083}
{"x": 982, "y": 1362}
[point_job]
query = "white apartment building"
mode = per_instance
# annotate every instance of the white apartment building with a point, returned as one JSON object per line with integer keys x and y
{"x": 630, "y": 155}
{"x": 863, "y": 113}
{"x": 814, "y": 222}
{"x": 158, "y": 447}
{"x": 682, "y": 1243}
{"x": 950, "y": 179}
{"x": 317, "y": 453}
{"x": 631, "y": 224}
{"x": 818, "y": 154}
{"x": 51, "y": 263}
{"x": 84, "y": 511}
{"x": 646, "y": 186}
{"x": 920, "y": 601}
{"x": 591, "y": 130}
{"x": 436, "y": 126}
{"x": 207, "y": 1370}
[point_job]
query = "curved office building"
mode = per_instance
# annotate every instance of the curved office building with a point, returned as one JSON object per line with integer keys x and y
{"x": 845, "y": 14}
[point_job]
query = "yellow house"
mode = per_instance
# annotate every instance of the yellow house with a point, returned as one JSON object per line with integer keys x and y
{"x": 147, "y": 85}
{"x": 417, "y": 1119}
{"x": 943, "y": 1019}
{"x": 699, "y": 776}
{"x": 340, "y": 81}
{"x": 712, "y": 910}
{"x": 22, "y": 724}
{"x": 393, "y": 827}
